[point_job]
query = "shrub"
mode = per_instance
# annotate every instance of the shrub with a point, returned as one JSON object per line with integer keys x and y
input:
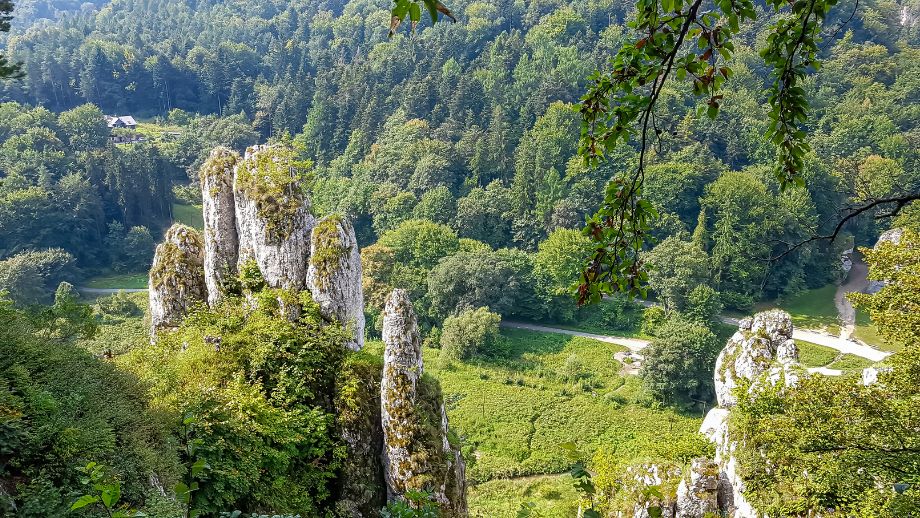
{"x": 467, "y": 333}
{"x": 679, "y": 363}
{"x": 116, "y": 305}
{"x": 652, "y": 318}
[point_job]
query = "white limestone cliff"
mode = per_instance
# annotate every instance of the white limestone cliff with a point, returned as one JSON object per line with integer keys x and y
{"x": 221, "y": 243}
{"x": 402, "y": 369}
{"x": 176, "y": 280}
{"x": 273, "y": 217}
{"x": 334, "y": 275}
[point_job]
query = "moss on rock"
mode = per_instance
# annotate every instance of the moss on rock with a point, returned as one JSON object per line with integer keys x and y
{"x": 272, "y": 178}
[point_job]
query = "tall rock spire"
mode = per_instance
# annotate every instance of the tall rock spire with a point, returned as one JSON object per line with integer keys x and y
{"x": 334, "y": 275}
{"x": 176, "y": 277}
{"x": 402, "y": 369}
{"x": 417, "y": 450}
{"x": 220, "y": 239}
{"x": 273, "y": 216}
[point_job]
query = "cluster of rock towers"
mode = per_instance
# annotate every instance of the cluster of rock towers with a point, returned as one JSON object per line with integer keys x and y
{"x": 257, "y": 219}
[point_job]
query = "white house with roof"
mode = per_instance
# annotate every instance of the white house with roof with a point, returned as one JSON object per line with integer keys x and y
{"x": 121, "y": 121}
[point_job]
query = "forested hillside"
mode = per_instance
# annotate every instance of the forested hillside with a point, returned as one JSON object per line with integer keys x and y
{"x": 467, "y": 124}
{"x": 426, "y": 192}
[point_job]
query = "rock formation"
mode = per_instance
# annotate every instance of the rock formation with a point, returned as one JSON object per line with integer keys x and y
{"x": 220, "y": 240}
{"x": 402, "y": 369}
{"x": 698, "y": 494}
{"x": 176, "y": 277}
{"x": 761, "y": 343}
{"x": 334, "y": 275}
{"x": 362, "y": 491}
{"x": 761, "y": 352}
{"x": 259, "y": 234}
{"x": 417, "y": 452}
{"x": 273, "y": 218}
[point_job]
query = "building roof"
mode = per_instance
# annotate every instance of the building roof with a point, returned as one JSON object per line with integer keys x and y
{"x": 120, "y": 120}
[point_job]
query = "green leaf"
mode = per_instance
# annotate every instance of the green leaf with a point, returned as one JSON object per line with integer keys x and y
{"x": 432, "y": 7}
{"x": 84, "y": 501}
{"x": 415, "y": 12}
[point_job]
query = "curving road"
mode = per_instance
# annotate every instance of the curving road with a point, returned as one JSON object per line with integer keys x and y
{"x": 636, "y": 344}
{"x": 633, "y": 344}
{"x": 109, "y": 291}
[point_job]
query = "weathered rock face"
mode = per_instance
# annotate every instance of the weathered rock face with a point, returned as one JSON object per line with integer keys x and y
{"x": 334, "y": 275}
{"x": 761, "y": 343}
{"x": 760, "y": 354}
{"x": 176, "y": 277}
{"x": 273, "y": 218}
{"x": 362, "y": 491}
{"x": 219, "y": 209}
{"x": 639, "y": 482}
{"x": 417, "y": 451}
{"x": 402, "y": 369}
{"x": 453, "y": 486}
{"x": 698, "y": 495}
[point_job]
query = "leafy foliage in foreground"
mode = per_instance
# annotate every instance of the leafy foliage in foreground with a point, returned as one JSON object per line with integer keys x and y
{"x": 259, "y": 388}
{"x": 60, "y": 408}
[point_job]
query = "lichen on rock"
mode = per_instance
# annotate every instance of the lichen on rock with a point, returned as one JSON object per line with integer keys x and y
{"x": 761, "y": 355}
{"x": 417, "y": 451}
{"x": 176, "y": 280}
{"x": 761, "y": 343}
{"x": 219, "y": 210}
{"x": 273, "y": 216}
{"x": 334, "y": 275}
{"x": 357, "y": 402}
{"x": 698, "y": 493}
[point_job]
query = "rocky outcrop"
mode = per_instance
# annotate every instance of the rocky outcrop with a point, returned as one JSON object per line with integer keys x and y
{"x": 176, "y": 277}
{"x": 453, "y": 486}
{"x": 334, "y": 275}
{"x": 402, "y": 369}
{"x": 651, "y": 490}
{"x": 760, "y": 354}
{"x": 362, "y": 491}
{"x": 761, "y": 343}
{"x": 698, "y": 494}
{"x": 417, "y": 451}
{"x": 273, "y": 217}
{"x": 219, "y": 210}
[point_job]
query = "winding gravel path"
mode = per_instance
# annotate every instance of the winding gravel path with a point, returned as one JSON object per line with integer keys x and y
{"x": 109, "y": 291}
{"x": 633, "y": 344}
{"x": 636, "y": 344}
{"x": 857, "y": 281}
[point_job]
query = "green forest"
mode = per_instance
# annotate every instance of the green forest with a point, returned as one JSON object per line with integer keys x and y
{"x": 535, "y": 247}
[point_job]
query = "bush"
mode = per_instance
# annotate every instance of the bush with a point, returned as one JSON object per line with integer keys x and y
{"x": 573, "y": 368}
{"x": 652, "y": 318}
{"x": 116, "y": 305}
{"x": 467, "y": 333}
{"x": 679, "y": 363}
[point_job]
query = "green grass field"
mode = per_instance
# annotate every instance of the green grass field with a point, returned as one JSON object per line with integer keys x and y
{"x": 849, "y": 362}
{"x": 552, "y": 496}
{"x": 812, "y": 309}
{"x": 118, "y": 280}
{"x": 814, "y": 355}
{"x": 188, "y": 214}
